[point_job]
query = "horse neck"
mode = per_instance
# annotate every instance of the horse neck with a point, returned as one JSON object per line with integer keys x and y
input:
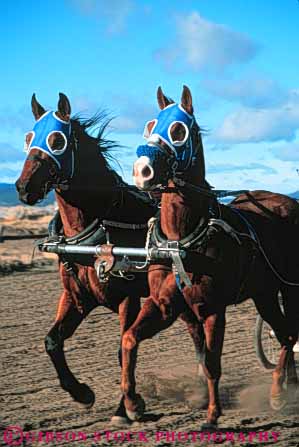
{"x": 72, "y": 217}
{"x": 86, "y": 199}
{"x": 181, "y": 212}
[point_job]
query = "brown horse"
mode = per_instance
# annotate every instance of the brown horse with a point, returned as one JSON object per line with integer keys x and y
{"x": 233, "y": 253}
{"x": 63, "y": 155}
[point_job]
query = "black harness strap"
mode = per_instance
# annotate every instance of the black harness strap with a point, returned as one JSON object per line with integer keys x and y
{"x": 124, "y": 225}
{"x": 188, "y": 241}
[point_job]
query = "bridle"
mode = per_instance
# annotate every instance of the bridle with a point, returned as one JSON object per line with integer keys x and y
{"x": 173, "y": 170}
{"x": 57, "y": 178}
{"x": 179, "y": 151}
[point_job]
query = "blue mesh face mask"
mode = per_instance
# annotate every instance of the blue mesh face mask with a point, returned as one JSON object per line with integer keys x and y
{"x": 162, "y": 129}
{"x": 50, "y": 127}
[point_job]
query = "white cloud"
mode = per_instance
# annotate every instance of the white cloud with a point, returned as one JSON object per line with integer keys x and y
{"x": 125, "y": 124}
{"x": 10, "y": 171}
{"x": 273, "y": 175}
{"x": 21, "y": 118}
{"x": 229, "y": 167}
{"x": 115, "y": 12}
{"x": 9, "y": 153}
{"x": 287, "y": 152}
{"x": 250, "y": 92}
{"x": 131, "y": 114}
{"x": 128, "y": 114}
{"x": 254, "y": 125}
{"x": 203, "y": 44}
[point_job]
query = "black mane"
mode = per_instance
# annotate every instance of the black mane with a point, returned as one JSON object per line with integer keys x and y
{"x": 91, "y": 134}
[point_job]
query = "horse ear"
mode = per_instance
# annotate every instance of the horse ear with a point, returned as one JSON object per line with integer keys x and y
{"x": 37, "y": 109}
{"x": 186, "y": 100}
{"x": 163, "y": 101}
{"x": 64, "y": 106}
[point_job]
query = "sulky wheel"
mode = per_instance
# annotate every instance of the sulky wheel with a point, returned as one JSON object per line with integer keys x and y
{"x": 267, "y": 347}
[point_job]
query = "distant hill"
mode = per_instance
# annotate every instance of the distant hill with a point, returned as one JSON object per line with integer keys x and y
{"x": 294, "y": 195}
{"x": 226, "y": 200}
{"x": 9, "y": 196}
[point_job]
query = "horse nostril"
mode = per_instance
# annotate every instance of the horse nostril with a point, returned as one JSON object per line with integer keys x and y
{"x": 17, "y": 185}
{"x": 146, "y": 172}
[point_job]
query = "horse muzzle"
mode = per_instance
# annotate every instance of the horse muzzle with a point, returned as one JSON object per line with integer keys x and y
{"x": 143, "y": 173}
{"x": 28, "y": 198}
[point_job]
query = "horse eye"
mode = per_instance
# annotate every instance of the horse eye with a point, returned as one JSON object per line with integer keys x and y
{"x": 28, "y": 139}
{"x": 177, "y": 132}
{"x": 57, "y": 141}
{"x": 148, "y": 129}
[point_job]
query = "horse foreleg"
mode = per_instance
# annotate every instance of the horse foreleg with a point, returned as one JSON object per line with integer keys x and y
{"x": 128, "y": 311}
{"x": 67, "y": 320}
{"x": 149, "y": 322}
{"x": 214, "y": 327}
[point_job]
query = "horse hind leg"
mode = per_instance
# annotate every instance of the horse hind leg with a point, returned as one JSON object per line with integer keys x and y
{"x": 67, "y": 320}
{"x": 269, "y": 309}
{"x": 196, "y": 331}
{"x": 291, "y": 311}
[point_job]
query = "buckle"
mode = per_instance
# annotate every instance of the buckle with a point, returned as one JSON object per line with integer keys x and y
{"x": 173, "y": 245}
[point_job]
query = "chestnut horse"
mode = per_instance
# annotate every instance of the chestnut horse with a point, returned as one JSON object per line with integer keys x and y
{"x": 237, "y": 252}
{"x": 63, "y": 155}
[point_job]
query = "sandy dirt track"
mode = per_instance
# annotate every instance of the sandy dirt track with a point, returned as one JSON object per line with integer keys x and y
{"x": 31, "y": 398}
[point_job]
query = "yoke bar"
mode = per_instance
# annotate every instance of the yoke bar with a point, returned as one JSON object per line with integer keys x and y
{"x": 153, "y": 253}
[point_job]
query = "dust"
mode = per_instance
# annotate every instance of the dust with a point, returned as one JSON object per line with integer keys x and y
{"x": 255, "y": 398}
{"x": 179, "y": 384}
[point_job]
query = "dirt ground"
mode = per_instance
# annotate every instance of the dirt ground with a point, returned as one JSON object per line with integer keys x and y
{"x": 23, "y": 221}
{"x": 30, "y": 397}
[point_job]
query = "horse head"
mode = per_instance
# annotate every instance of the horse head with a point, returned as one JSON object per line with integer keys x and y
{"x": 173, "y": 143}
{"x": 49, "y": 145}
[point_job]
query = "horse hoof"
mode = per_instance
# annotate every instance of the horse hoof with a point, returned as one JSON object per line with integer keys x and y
{"x": 120, "y": 418}
{"x": 277, "y": 403}
{"x": 84, "y": 395}
{"x": 209, "y": 426}
{"x": 136, "y": 415}
{"x": 120, "y": 421}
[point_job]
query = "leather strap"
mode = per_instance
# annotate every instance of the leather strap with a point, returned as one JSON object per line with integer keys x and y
{"x": 123, "y": 225}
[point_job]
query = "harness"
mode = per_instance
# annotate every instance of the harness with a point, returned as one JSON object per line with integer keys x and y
{"x": 94, "y": 234}
{"x": 180, "y": 155}
{"x": 197, "y": 241}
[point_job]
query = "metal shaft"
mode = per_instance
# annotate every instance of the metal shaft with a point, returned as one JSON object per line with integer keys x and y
{"x": 116, "y": 251}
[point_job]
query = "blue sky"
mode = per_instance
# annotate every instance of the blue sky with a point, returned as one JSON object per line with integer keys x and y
{"x": 240, "y": 60}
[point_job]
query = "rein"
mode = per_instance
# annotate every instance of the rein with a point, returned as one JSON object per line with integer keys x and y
{"x": 63, "y": 183}
{"x": 216, "y": 193}
{"x": 254, "y": 237}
